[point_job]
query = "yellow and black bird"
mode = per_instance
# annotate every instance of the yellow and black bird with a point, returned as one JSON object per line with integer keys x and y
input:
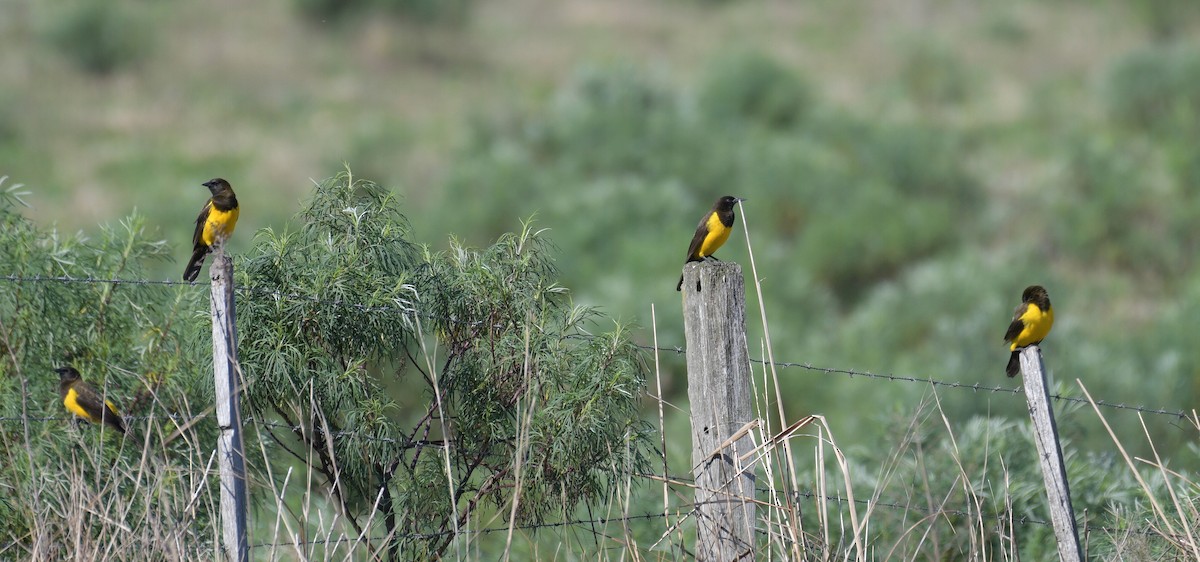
{"x": 712, "y": 232}
{"x": 215, "y": 223}
{"x": 82, "y": 400}
{"x": 1030, "y": 324}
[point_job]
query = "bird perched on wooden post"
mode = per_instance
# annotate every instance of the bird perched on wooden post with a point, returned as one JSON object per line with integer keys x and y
{"x": 712, "y": 232}
{"x": 1031, "y": 323}
{"x": 214, "y": 224}
{"x": 82, "y": 400}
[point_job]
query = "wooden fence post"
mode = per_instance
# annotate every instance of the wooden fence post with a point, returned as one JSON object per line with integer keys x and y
{"x": 720, "y": 396}
{"x": 230, "y": 453}
{"x": 1054, "y": 470}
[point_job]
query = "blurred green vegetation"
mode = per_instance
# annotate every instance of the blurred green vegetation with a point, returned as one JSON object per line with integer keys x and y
{"x": 1156, "y": 88}
{"x": 419, "y": 11}
{"x": 909, "y": 169}
{"x": 99, "y": 37}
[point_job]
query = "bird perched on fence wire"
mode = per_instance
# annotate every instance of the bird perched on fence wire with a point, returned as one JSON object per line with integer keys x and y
{"x": 214, "y": 224}
{"x": 712, "y": 232}
{"x": 1030, "y": 324}
{"x": 82, "y": 400}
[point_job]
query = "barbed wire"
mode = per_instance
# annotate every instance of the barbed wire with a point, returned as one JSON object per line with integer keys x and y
{"x": 415, "y": 444}
{"x": 247, "y": 421}
{"x": 1021, "y": 521}
{"x": 317, "y": 300}
{"x": 974, "y": 387}
{"x": 682, "y": 511}
{"x": 314, "y": 542}
{"x": 67, "y": 279}
{"x": 47, "y": 419}
{"x": 485, "y": 531}
{"x": 92, "y": 280}
{"x": 813, "y": 494}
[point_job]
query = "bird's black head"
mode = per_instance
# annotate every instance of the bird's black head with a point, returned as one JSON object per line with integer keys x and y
{"x": 1036, "y": 294}
{"x": 67, "y": 374}
{"x": 216, "y": 185}
{"x": 727, "y": 202}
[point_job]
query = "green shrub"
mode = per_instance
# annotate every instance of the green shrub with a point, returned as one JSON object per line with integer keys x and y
{"x": 604, "y": 124}
{"x": 323, "y": 10}
{"x": 430, "y": 11}
{"x": 1113, "y": 209}
{"x": 622, "y": 120}
{"x": 1005, "y": 27}
{"x": 449, "y": 12}
{"x": 752, "y": 87}
{"x": 888, "y": 196}
{"x": 1167, "y": 19}
{"x": 99, "y": 37}
{"x": 1156, "y": 88}
{"x": 518, "y": 343}
{"x": 10, "y": 125}
{"x": 917, "y": 159}
{"x": 1167, "y": 355}
{"x": 933, "y": 75}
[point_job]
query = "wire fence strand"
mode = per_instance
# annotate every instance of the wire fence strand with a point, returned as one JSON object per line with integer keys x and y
{"x": 683, "y": 511}
{"x": 973, "y": 387}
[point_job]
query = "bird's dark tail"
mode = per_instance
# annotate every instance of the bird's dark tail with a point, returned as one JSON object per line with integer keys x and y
{"x": 194, "y": 264}
{"x": 1014, "y": 364}
{"x": 115, "y": 422}
{"x": 679, "y": 287}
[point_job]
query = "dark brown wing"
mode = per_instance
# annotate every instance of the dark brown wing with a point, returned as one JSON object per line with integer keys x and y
{"x": 698, "y": 239}
{"x": 87, "y": 399}
{"x": 94, "y": 405}
{"x": 200, "y": 220}
{"x": 1014, "y": 329}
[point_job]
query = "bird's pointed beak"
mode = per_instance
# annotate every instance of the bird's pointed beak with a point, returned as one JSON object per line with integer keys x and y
{"x": 740, "y": 199}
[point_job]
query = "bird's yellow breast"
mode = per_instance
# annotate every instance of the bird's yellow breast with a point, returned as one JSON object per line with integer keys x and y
{"x": 1036, "y": 325}
{"x": 718, "y": 233}
{"x": 219, "y": 225}
{"x": 71, "y": 401}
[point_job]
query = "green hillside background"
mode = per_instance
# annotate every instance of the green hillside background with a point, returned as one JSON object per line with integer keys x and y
{"x": 909, "y": 166}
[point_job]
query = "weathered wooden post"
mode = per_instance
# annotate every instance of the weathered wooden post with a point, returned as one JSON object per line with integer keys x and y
{"x": 1054, "y": 470}
{"x": 230, "y": 453}
{"x": 720, "y": 395}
